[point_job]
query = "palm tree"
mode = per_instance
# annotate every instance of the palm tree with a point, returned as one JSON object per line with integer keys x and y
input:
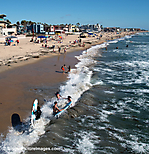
{"x": 78, "y": 24}
{"x": 18, "y": 23}
{"x": 31, "y": 23}
{"x": 101, "y": 27}
{"x": 24, "y": 23}
{"x": 8, "y": 21}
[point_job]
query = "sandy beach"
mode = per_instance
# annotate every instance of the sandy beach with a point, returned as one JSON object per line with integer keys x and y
{"x": 15, "y": 55}
{"x": 28, "y": 67}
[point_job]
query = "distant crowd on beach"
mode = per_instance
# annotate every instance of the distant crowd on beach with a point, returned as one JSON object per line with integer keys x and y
{"x": 58, "y": 39}
{"x": 35, "y": 47}
{"x": 9, "y": 41}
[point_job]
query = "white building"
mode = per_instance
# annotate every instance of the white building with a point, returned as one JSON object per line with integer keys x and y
{"x": 5, "y": 27}
{"x": 91, "y": 28}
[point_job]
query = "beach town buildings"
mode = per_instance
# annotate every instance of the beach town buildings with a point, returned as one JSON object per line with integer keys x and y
{"x": 90, "y": 28}
{"x": 58, "y": 29}
{"x": 112, "y": 29}
{"x": 36, "y": 28}
{"x": 6, "y": 28}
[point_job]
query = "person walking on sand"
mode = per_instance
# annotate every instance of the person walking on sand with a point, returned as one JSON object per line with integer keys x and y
{"x": 56, "y": 109}
{"x": 17, "y": 41}
{"x": 65, "y": 50}
{"x": 59, "y": 49}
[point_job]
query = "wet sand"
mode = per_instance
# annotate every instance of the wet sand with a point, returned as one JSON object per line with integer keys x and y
{"x": 19, "y": 86}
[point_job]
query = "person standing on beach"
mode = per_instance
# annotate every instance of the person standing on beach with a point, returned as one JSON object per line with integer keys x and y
{"x": 53, "y": 48}
{"x": 59, "y": 49}
{"x": 63, "y": 68}
{"x": 69, "y": 69}
{"x": 17, "y": 41}
{"x": 65, "y": 50}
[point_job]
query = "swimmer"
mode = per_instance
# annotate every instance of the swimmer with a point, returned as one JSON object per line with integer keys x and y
{"x": 58, "y": 95}
{"x": 69, "y": 100}
{"x": 56, "y": 109}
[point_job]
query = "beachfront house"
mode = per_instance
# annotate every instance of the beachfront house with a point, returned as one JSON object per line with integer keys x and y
{"x": 3, "y": 22}
{"x": 70, "y": 28}
{"x": 52, "y": 29}
{"x": 49, "y": 29}
{"x": 112, "y": 29}
{"x": 59, "y": 29}
{"x": 90, "y": 28}
{"x": 0, "y": 30}
{"x": 10, "y": 29}
{"x": 73, "y": 28}
{"x": 5, "y": 27}
{"x": 36, "y": 28}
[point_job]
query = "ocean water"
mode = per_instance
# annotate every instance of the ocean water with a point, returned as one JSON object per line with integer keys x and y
{"x": 110, "y": 113}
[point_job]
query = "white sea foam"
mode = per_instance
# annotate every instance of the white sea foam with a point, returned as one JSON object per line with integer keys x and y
{"x": 109, "y": 92}
{"x": 16, "y": 143}
{"x": 128, "y": 36}
{"x": 85, "y": 144}
{"x": 97, "y": 82}
{"x": 113, "y": 41}
{"x": 142, "y": 34}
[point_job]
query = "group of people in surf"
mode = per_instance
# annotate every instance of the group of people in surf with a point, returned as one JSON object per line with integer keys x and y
{"x": 65, "y": 67}
{"x": 55, "y": 107}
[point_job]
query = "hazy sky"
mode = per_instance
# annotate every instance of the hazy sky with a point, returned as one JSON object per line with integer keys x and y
{"x": 122, "y": 13}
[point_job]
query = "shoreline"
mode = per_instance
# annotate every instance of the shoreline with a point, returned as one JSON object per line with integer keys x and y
{"x": 21, "y": 55}
{"x": 21, "y": 85}
{"x": 21, "y": 81}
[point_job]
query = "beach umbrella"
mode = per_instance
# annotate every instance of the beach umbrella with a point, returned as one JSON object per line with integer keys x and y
{"x": 10, "y": 37}
{"x": 90, "y": 33}
{"x": 41, "y": 37}
{"x": 10, "y": 40}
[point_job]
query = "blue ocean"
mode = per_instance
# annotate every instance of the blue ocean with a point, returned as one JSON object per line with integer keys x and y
{"x": 110, "y": 112}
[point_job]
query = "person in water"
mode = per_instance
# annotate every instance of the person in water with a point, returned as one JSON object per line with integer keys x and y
{"x": 37, "y": 113}
{"x": 69, "y": 100}
{"x": 56, "y": 109}
{"x": 58, "y": 95}
{"x": 69, "y": 69}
